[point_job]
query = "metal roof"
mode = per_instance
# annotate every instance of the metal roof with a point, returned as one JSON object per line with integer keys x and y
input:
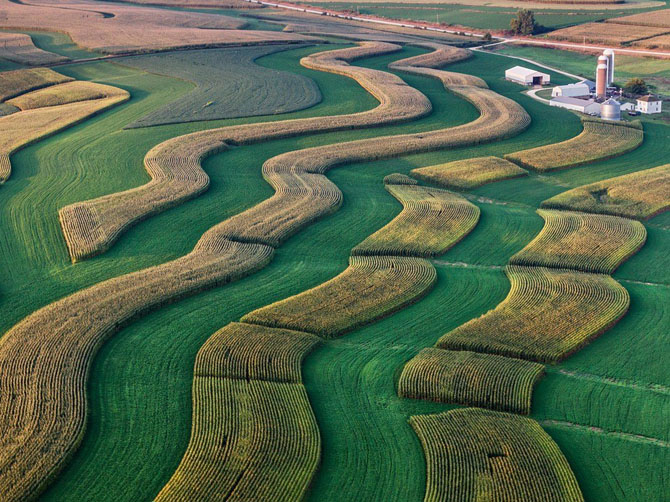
{"x": 520, "y": 71}
{"x": 649, "y": 98}
{"x": 573, "y": 101}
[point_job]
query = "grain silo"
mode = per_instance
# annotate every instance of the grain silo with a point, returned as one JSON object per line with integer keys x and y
{"x": 609, "y": 54}
{"x": 610, "y": 110}
{"x": 601, "y": 78}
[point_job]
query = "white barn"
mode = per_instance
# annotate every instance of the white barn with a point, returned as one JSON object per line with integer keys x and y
{"x": 648, "y": 104}
{"x": 587, "y": 106}
{"x": 526, "y": 76}
{"x": 627, "y": 107}
{"x": 570, "y": 90}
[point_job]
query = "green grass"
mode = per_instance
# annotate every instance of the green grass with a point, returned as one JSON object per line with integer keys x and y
{"x": 228, "y": 85}
{"x": 474, "y": 16}
{"x": 140, "y": 387}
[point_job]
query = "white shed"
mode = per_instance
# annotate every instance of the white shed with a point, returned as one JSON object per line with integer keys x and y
{"x": 587, "y": 106}
{"x": 526, "y": 76}
{"x": 627, "y": 107}
{"x": 648, "y": 104}
{"x": 570, "y": 90}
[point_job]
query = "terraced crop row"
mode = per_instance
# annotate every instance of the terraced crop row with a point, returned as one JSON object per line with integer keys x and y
{"x": 91, "y": 227}
{"x": 13, "y": 83}
{"x": 639, "y": 195}
{"x": 581, "y": 241}
{"x": 47, "y": 111}
{"x": 548, "y": 314}
{"x": 42, "y": 404}
{"x": 472, "y": 379}
{"x": 469, "y": 173}
{"x": 474, "y": 455}
{"x": 430, "y": 221}
{"x": 600, "y": 140}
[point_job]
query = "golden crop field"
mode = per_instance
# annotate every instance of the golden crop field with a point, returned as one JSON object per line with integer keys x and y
{"x": 607, "y": 33}
{"x": 19, "y": 47}
{"x": 469, "y": 173}
{"x": 13, "y": 83}
{"x": 471, "y": 379}
{"x": 640, "y": 195}
{"x": 63, "y": 94}
{"x": 547, "y": 315}
{"x": 658, "y": 19}
{"x": 599, "y": 140}
{"x": 431, "y": 222}
{"x": 475, "y": 455}
{"x": 580, "y": 241}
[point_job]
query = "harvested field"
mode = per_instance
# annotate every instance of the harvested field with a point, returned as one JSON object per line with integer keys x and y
{"x": 228, "y": 84}
{"x": 606, "y": 33}
{"x": 19, "y": 47}
{"x": 472, "y": 454}
{"x": 371, "y": 288}
{"x": 470, "y": 173}
{"x": 263, "y": 444}
{"x": 63, "y": 94}
{"x": 90, "y": 227}
{"x": 598, "y": 141}
{"x": 472, "y": 379}
{"x": 120, "y": 28}
{"x": 431, "y": 222}
{"x": 547, "y": 315}
{"x": 16, "y": 82}
{"x": 639, "y": 195}
{"x": 48, "y": 387}
{"x": 25, "y": 127}
{"x": 218, "y": 4}
{"x": 660, "y": 42}
{"x": 579, "y": 241}
{"x": 252, "y": 352}
{"x": 657, "y": 19}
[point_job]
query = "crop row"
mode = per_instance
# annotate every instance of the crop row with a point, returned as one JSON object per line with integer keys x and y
{"x": 600, "y": 140}
{"x": 371, "y": 287}
{"x": 639, "y": 195}
{"x": 547, "y": 315}
{"x": 19, "y": 47}
{"x": 49, "y": 110}
{"x": 16, "y": 82}
{"x": 469, "y": 173}
{"x": 581, "y": 241}
{"x": 431, "y": 222}
{"x": 175, "y": 164}
{"x": 472, "y": 379}
{"x": 475, "y": 455}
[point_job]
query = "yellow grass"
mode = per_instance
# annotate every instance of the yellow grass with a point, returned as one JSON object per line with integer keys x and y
{"x": 475, "y": 455}
{"x": 469, "y": 173}
{"x": 62, "y": 94}
{"x": 587, "y": 242}
{"x": 16, "y": 82}
{"x": 431, "y": 222}
{"x": 23, "y": 128}
{"x": 472, "y": 379}
{"x": 547, "y": 315}
{"x": 371, "y": 288}
{"x": 600, "y": 140}
{"x": 19, "y": 47}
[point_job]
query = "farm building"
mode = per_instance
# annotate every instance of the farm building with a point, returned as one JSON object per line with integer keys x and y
{"x": 627, "y": 107}
{"x": 587, "y": 106}
{"x": 648, "y": 104}
{"x": 570, "y": 90}
{"x": 526, "y": 76}
{"x": 590, "y": 83}
{"x": 610, "y": 110}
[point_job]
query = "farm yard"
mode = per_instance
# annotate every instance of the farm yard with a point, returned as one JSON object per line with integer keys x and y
{"x": 243, "y": 263}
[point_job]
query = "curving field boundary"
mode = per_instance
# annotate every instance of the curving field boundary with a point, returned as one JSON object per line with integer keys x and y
{"x": 92, "y": 226}
{"x": 269, "y": 345}
{"x": 47, "y": 355}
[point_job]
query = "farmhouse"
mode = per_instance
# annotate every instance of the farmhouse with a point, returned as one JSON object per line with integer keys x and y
{"x": 526, "y": 76}
{"x": 587, "y": 106}
{"x": 648, "y": 104}
{"x": 570, "y": 90}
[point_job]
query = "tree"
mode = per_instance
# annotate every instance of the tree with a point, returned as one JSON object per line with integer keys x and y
{"x": 487, "y": 37}
{"x": 636, "y": 86}
{"x": 524, "y": 23}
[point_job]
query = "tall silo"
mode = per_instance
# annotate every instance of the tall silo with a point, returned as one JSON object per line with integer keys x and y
{"x": 609, "y": 54}
{"x": 601, "y": 79}
{"x": 610, "y": 110}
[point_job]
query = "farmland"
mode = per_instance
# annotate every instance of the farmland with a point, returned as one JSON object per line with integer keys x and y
{"x": 298, "y": 305}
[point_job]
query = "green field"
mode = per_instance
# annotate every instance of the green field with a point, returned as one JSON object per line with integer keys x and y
{"x": 140, "y": 384}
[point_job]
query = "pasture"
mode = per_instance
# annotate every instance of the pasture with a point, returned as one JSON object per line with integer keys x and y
{"x": 365, "y": 278}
